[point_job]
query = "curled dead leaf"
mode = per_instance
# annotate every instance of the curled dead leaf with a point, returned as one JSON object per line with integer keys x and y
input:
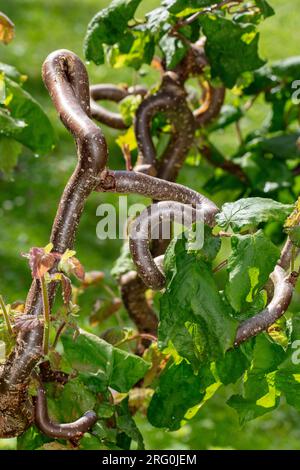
{"x": 7, "y": 29}
{"x": 92, "y": 278}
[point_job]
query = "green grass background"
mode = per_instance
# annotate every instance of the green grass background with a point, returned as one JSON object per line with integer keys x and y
{"x": 28, "y": 204}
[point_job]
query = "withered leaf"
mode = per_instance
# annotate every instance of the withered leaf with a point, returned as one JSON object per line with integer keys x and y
{"x": 26, "y": 323}
{"x": 66, "y": 289}
{"x": 72, "y": 266}
{"x": 40, "y": 262}
{"x": 92, "y": 278}
{"x": 7, "y": 29}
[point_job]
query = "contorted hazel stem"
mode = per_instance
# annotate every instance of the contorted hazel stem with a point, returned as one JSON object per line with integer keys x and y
{"x": 283, "y": 292}
{"x": 150, "y": 220}
{"x": 170, "y": 100}
{"x": 132, "y": 286}
{"x": 73, "y": 430}
{"x": 130, "y": 182}
{"x": 213, "y": 101}
{"x": 184, "y": 124}
{"x": 67, "y": 81}
{"x": 110, "y": 92}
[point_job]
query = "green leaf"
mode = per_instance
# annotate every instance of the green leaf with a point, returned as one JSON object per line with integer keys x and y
{"x": 260, "y": 394}
{"x": 71, "y": 402}
{"x": 12, "y": 72}
{"x": 128, "y": 108}
{"x": 193, "y": 315}
{"x": 133, "y": 51}
{"x": 248, "y": 269}
{"x": 31, "y": 439}
{"x": 263, "y": 79}
{"x": 252, "y": 211}
{"x": 173, "y": 49}
{"x": 108, "y": 27}
{"x": 234, "y": 363}
{"x": 9, "y": 153}
{"x": 156, "y": 19}
{"x": 227, "y": 116}
{"x": 283, "y": 145}
{"x": 287, "y": 68}
{"x": 124, "y": 263}
{"x": 186, "y": 7}
{"x": 9, "y": 126}
{"x": 38, "y": 134}
{"x": 90, "y": 442}
{"x": 100, "y": 361}
{"x": 266, "y": 173}
{"x": 265, "y": 8}
{"x": 288, "y": 375}
{"x": 126, "y": 424}
{"x": 211, "y": 244}
{"x": 178, "y": 392}
{"x": 231, "y": 48}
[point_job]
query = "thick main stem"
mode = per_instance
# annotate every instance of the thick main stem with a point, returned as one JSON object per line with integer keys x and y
{"x": 67, "y": 81}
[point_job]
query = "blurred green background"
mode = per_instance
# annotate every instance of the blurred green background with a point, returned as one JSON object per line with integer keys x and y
{"x": 28, "y": 203}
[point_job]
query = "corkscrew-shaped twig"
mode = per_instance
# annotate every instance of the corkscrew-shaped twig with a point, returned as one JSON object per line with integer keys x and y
{"x": 109, "y": 92}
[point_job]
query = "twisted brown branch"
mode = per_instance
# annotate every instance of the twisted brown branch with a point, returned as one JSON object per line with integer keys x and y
{"x": 67, "y": 81}
{"x": 213, "y": 101}
{"x": 170, "y": 100}
{"x": 283, "y": 292}
{"x": 137, "y": 183}
{"x": 114, "y": 93}
{"x": 142, "y": 231}
{"x": 73, "y": 430}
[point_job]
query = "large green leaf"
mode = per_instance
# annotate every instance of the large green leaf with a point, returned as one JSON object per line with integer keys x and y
{"x": 178, "y": 392}
{"x": 9, "y": 126}
{"x": 265, "y": 8}
{"x": 283, "y": 145}
{"x": 71, "y": 402}
{"x": 126, "y": 425}
{"x": 288, "y": 374}
{"x": 234, "y": 363}
{"x": 156, "y": 19}
{"x": 124, "y": 263}
{"x": 108, "y": 27}
{"x": 173, "y": 49}
{"x": 231, "y": 48}
{"x": 193, "y": 315}
{"x": 266, "y": 173}
{"x": 252, "y": 211}
{"x": 252, "y": 260}
{"x": 134, "y": 50}
{"x": 38, "y": 134}
{"x": 287, "y": 68}
{"x": 227, "y": 116}
{"x": 260, "y": 394}
{"x": 101, "y": 363}
{"x": 9, "y": 153}
{"x": 11, "y": 72}
{"x": 31, "y": 439}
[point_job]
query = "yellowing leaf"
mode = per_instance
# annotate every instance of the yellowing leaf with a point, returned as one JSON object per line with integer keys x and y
{"x": 48, "y": 248}
{"x": 294, "y": 218}
{"x": 127, "y": 139}
{"x": 67, "y": 254}
{"x": 7, "y": 29}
